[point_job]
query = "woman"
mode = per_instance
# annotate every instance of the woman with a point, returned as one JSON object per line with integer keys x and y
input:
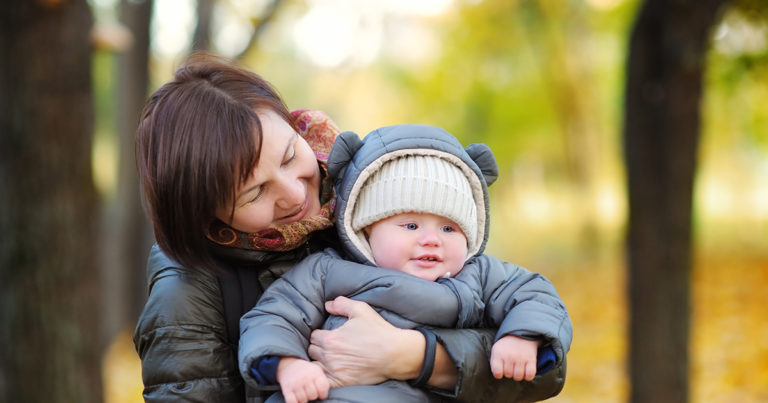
{"x": 236, "y": 191}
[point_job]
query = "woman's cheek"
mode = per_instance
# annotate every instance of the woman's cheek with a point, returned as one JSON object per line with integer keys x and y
{"x": 252, "y": 219}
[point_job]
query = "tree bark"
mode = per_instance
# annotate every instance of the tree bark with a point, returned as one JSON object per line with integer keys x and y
{"x": 666, "y": 62}
{"x": 201, "y": 39}
{"x": 127, "y": 231}
{"x": 49, "y": 348}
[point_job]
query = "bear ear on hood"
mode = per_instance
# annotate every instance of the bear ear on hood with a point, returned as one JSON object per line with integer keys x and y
{"x": 483, "y": 157}
{"x": 344, "y": 148}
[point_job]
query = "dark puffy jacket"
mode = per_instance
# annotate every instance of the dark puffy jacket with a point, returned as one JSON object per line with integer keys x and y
{"x": 182, "y": 333}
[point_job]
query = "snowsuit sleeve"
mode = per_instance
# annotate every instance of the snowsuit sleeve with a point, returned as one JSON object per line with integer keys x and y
{"x": 522, "y": 303}
{"x": 288, "y": 311}
{"x": 516, "y": 301}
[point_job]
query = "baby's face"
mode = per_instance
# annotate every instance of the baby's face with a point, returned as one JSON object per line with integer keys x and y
{"x": 424, "y": 245}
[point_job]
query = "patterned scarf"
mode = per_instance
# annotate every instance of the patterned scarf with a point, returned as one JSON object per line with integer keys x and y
{"x": 320, "y": 132}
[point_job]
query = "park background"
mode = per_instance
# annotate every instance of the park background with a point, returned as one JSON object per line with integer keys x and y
{"x": 540, "y": 81}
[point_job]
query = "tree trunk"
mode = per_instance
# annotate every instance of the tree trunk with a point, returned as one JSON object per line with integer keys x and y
{"x": 260, "y": 25}
{"x": 127, "y": 231}
{"x": 201, "y": 39}
{"x": 49, "y": 350}
{"x": 661, "y": 131}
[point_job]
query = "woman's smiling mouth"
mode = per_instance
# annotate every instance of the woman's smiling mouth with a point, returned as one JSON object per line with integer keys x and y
{"x": 297, "y": 214}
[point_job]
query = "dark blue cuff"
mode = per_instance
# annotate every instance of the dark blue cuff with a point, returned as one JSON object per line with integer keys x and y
{"x": 546, "y": 360}
{"x": 264, "y": 370}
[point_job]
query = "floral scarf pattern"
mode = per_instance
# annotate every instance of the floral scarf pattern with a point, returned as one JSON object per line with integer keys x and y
{"x": 319, "y": 131}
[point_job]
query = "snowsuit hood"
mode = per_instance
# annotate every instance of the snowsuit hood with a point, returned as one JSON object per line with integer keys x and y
{"x": 352, "y": 161}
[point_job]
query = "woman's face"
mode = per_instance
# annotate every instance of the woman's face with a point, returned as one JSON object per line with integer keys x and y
{"x": 284, "y": 187}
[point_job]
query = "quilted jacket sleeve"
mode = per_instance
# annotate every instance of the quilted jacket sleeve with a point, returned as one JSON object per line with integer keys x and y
{"x": 523, "y": 303}
{"x": 470, "y": 351}
{"x": 181, "y": 338}
{"x": 534, "y": 309}
{"x": 284, "y": 317}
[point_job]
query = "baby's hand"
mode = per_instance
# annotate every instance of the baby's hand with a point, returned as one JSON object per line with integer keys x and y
{"x": 514, "y": 357}
{"x": 301, "y": 381}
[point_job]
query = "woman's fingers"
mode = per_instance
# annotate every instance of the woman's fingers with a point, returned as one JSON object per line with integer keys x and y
{"x": 343, "y": 306}
{"x": 352, "y": 354}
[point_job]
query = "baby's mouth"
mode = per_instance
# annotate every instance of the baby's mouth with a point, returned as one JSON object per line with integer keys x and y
{"x": 429, "y": 258}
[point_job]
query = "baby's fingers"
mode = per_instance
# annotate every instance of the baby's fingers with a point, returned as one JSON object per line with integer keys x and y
{"x": 303, "y": 394}
{"x": 290, "y": 397}
{"x": 310, "y": 392}
{"x": 508, "y": 369}
{"x": 516, "y": 371}
{"x": 321, "y": 387}
{"x": 530, "y": 371}
{"x": 522, "y": 370}
{"x": 497, "y": 368}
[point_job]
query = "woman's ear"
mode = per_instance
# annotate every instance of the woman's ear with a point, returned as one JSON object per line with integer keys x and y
{"x": 344, "y": 148}
{"x": 483, "y": 157}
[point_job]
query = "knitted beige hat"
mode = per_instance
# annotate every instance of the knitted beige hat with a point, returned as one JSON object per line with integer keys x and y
{"x": 420, "y": 184}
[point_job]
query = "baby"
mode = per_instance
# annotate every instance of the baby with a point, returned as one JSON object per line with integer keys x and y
{"x": 411, "y": 205}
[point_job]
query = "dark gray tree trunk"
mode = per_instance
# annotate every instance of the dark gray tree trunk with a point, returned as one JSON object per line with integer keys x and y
{"x": 201, "y": 40}
{"x": 260, "y": 25}
{"x": 126, "y": 227}
{"x": 666, "y": 62}
{"x": 49, "y": 349}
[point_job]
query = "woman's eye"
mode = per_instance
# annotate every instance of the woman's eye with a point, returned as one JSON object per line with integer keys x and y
{"x": 256, "y": 197}
{"x": 411, "y": 226}
{"x": 292, "y": 154}
{"x": 290, "y": 157}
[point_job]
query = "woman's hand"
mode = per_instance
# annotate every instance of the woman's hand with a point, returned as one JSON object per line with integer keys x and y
{"x": 366, "y": 350}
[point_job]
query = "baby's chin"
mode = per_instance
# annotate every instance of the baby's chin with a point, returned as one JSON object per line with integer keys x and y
{"x": 429, "y": 275}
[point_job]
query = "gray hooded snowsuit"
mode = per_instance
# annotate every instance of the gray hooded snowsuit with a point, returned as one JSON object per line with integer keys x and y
{"x": 486, "y": 293}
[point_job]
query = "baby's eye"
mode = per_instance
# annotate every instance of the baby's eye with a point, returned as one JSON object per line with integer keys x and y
{"x": 411, "y": 226}
{"x": 448, "y": 228}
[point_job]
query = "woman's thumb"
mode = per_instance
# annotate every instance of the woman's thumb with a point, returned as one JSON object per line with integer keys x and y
{"x": 343, "y": 306}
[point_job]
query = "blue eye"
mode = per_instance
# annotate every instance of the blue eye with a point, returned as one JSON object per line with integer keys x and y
{"x": 411, "y": 226}
{"x": 448, "y": 228}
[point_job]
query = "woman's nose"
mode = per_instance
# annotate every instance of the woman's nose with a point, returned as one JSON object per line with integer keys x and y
{"x": 291, "y": 193}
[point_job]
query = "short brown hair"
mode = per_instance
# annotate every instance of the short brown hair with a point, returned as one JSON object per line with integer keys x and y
{"x": 199, "y": 138}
